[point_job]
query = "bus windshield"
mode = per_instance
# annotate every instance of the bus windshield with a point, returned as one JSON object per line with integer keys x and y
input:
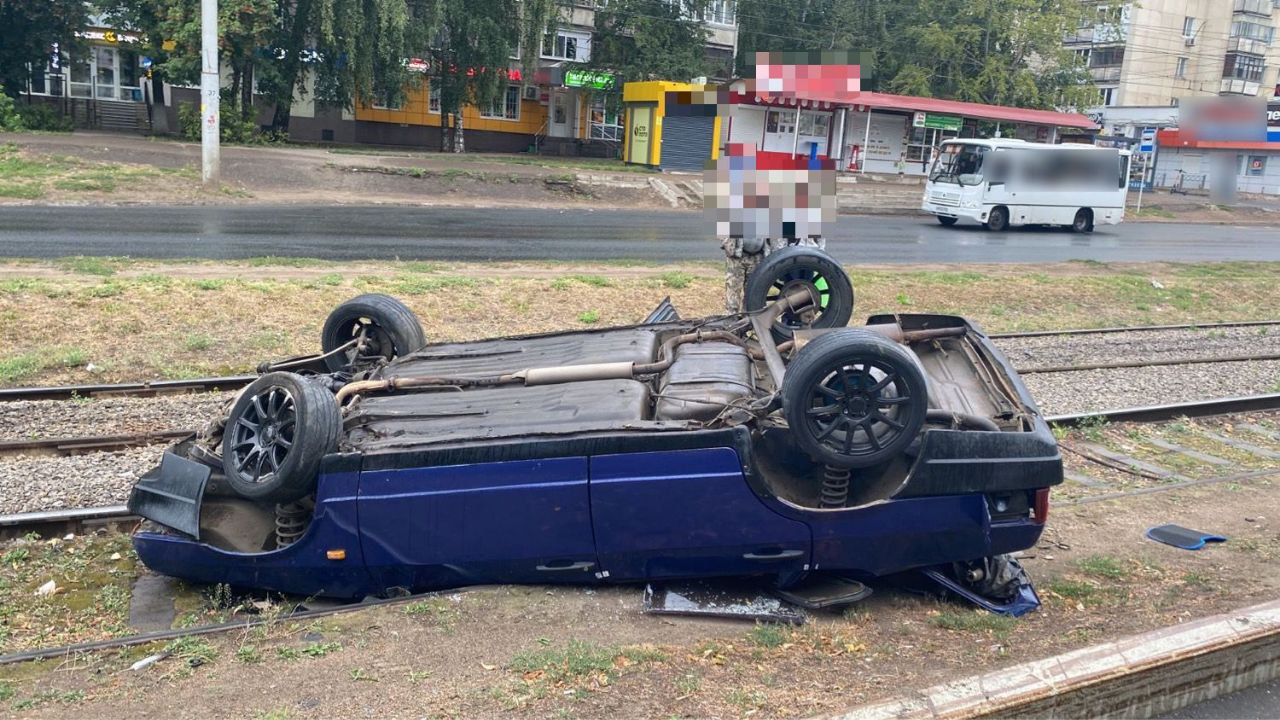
{"x": 956, "y": 160}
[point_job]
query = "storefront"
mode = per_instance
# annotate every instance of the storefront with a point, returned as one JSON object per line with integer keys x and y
{"x": 1184, "y": 164}
{"x": 108, "y": 68}
{"x": 660, "y": 114}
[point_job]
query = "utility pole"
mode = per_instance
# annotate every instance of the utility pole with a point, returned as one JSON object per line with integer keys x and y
{"x": 209, "y": 131}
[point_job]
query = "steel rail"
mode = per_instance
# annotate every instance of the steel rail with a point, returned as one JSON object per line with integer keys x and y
{"x": 1160, "y": 413}
{"x": 1136, "y": 328}
{"x": 1146, "y": 363}
{"x": 149, "y": 388}
{"x": 62, "y": 447}
{"x": 60, "y": 522}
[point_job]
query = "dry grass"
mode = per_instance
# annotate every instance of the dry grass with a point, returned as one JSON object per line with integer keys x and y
{"x": 109, "y": 319}
{"x": 26, "y": 175}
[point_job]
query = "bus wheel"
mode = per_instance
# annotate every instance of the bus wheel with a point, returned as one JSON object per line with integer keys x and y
{"x": 997, "y": 219}
{"x": 946, "y": 220}
{"x": 1083, "y": 221}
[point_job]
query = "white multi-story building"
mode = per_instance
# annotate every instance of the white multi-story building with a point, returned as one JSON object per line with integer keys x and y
{"x": 1146, "y": 56}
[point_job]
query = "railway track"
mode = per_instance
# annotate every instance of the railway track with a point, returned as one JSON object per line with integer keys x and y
{"x": 155, "y": 388}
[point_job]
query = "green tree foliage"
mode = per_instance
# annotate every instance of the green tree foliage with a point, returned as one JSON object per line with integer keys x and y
{"x": 651, "y": 39}
{"x": 346, "y": 47}
{"x": 472, "y": 56}
{"x": 30, "y": 28}
{"x": 1006, "y": 52}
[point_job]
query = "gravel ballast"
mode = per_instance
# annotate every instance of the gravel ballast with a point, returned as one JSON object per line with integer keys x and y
{"x": 1056, "y": 350}
{"x": 1114, "y": 388}
{"x": 39, "y": 419}
{"x": 28, "y": 484}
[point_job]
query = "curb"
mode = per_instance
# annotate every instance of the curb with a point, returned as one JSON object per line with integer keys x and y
{"x": 1138, "y": 676}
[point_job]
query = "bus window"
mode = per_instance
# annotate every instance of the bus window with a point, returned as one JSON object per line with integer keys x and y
{"x": 959, "y": 160}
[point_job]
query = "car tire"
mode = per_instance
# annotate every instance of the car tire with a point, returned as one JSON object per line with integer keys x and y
{"x": 279, "y": 429}
{"x": 997, "y": 219}
{"x": 1083, "y": 221}
{"x": 390, "y": 326}
{"x": 853, "y": 398}
{"x": 793, "y": 267}
{"x": 948, "y": 221}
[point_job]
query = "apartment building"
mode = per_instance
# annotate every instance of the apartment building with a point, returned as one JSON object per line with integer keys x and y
{"x": 1145, "y": 56}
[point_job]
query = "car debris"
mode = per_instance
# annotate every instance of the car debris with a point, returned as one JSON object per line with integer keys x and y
{"x": 1182, "y": 538}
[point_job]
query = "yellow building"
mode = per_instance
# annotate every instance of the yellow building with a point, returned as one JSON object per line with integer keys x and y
{"x": 690, "y": 129}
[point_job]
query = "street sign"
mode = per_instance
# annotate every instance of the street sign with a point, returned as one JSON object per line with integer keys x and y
{"x": 943, "y": 122}
{"x": 1148, "y": 141}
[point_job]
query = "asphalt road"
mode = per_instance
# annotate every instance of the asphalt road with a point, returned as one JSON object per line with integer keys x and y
{"x": 389, "y": 232}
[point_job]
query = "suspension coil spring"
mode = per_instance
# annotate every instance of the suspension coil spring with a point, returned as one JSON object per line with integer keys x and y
{"x": 835, "y": 487}
{"x": 291, "y": 522}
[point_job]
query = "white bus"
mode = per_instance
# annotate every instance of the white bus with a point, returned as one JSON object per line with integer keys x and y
{"x": 1001, "y": 183}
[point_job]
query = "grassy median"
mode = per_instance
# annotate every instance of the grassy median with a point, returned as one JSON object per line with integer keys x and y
{"x": 90, "y": 319}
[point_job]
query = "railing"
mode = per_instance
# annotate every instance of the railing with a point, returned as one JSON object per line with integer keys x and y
{"x": 1182, "y": 182}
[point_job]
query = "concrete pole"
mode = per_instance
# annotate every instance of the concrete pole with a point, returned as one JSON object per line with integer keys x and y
{"x": 209, "y": 131}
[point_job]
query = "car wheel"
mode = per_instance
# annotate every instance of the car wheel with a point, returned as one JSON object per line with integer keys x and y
{"x": 1083, "y": 221}
{"x": 946, "y": 220}
{"x": 789, "y": 269}
{"x": 997, "y": 219}
{"x": 278, "y": 430}
{"x": 389, "y": 326}
{"x": 853, "y": 398}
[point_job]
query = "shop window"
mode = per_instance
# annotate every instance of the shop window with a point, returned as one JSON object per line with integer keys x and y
{"x": 505, "y": 106}
{"x": 605, "y": 123}
{"x": 433, "y": 100}
{"x": 1256, "y": 166}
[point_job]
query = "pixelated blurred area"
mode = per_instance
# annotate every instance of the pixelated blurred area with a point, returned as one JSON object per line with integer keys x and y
{"x": 766, "y": 197}
{"x": 757, "y": 198}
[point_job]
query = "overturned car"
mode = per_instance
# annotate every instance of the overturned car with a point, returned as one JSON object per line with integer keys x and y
{"x": 776, "y": 443}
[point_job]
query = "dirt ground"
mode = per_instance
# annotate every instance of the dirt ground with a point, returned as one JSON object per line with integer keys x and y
{"x": 127, "y": 320}
{"x": 574, "y": 652}
{"x": 294, "y": 174}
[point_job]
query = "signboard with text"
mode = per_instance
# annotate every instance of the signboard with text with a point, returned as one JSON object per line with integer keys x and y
{"x": 591, "y": 79}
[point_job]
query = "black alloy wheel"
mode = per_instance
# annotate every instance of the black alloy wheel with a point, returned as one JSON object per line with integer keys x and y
{"x": 853, "y": 398}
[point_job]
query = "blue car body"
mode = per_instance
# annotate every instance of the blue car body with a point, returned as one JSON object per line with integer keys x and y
{"x": 617, "y": 506}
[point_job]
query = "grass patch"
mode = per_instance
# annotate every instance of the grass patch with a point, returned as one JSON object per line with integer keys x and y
{"x": 1072, "y": 589}
{"x": 425, "y": 285}
{"x": 87, "y": 265}
{"x": 439, "y": 611}
{"x": 197, "y": 343}
{"x": 576, "y": 660}
{"x": 1103, "y": 566}
{"x": 193, "y": 651}
{"x": 769, "y": 635}
{"x": 675, "y": 280}
{"x": 589, "y": 317}
{"x": 974, "y": 621}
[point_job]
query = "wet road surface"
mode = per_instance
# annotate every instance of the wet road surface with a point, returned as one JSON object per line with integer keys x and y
{"x": 389, "y": 232}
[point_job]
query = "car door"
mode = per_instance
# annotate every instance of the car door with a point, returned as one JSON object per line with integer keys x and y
{"x": 516, "y": 521}
{"x": 688, "y": 513}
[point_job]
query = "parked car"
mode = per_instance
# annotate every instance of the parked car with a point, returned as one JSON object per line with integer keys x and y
{"x": 774, "y": 443}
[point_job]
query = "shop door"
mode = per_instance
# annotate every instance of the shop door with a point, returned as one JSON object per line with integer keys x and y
{"x": 564, "y": 117}
{"x": 639, "y": 131}
{"x": 687, "y": 141}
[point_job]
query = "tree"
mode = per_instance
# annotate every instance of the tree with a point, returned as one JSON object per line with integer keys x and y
{"x": 31, "y": 27}
{"x": 651, "y": 39}
{"x": 471, "y": 59}
{"x": 345, "y": 46}
{"x": 1008, "y": 52}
